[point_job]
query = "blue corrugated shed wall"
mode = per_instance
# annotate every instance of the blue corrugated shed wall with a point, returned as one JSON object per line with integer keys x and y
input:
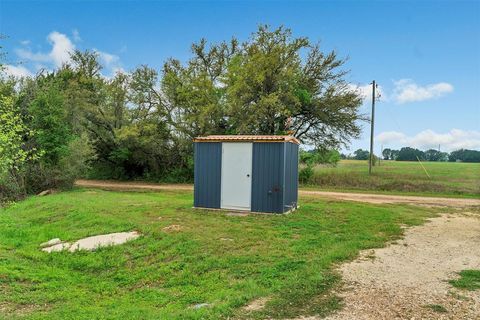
{"x": 267, "y": 177}
{"x": 207, "y": 175}
{"x": 291, "y": 176}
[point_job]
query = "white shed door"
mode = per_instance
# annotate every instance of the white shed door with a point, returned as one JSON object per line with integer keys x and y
{"x": 236, "y": 175}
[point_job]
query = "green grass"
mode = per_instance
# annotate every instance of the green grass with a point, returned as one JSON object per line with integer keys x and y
{"x": 446, "y": 178}
{"x": 437, "y": 308}
{"x": 469, "y": 280}
{"x": 162, "y": 275}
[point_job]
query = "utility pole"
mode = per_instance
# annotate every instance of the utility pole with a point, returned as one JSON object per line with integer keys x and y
{"x": 371, "y": 128}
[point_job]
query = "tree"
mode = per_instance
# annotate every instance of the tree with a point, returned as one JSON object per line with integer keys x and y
{"x": 315, "y": 156}
{"x": 12, "y": 132}
{"x": 263, "y": 87}
{"x": 394, "y": 154}
{"x": 465, "y": 155}
{"x": 387, "y": 154}
{"x": 195, "y": 94}
{"x": 14, "y": 150}
{"x": 140, "y": 124}
{"x": 435, "y": 155}
{"x": 410, "y": 154}
{"x": 272, "y": 90}
{"x": 53, "y": 132}
{"x": 361, "y": 154}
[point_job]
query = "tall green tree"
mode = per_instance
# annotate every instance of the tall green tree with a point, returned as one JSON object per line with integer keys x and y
{"x": 140, "y": 124}
{"x": 271, "y": 89}
{"x": 271, "y": 84}
{"x": 49, "y": 119}
{"x": 435, "y": 155}
{"x": 410, "y": 154}
{"x": 13, "y": 133}
{"x": 465, "y": 155}
{"x": 195, "y": 93}
{"x": 387, "y": 154}
{"x": 361, "y": 154}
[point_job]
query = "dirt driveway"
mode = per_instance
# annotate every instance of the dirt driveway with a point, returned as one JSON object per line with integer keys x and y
{"x": 347, "y": 196}
{"x": 409, "y": 279}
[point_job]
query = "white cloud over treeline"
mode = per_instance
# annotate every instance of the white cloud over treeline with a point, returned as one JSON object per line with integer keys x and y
{"x": 17, "y": 71}
{"x": 428, "y": 139}
{"x": 405, "y": 91}
{"x": 61, "y": 49}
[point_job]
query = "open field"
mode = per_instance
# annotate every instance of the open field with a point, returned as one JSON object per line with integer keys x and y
{"x": 446, "y": 178}
{"x": 225, "y": 261}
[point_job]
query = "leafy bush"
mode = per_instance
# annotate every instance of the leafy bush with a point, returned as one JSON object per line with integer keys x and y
{"x": 305, "y": 174}
{"x": 73, "y": 164}
{"x": 76, "y": 162}
{"x": 361, "y": 154}
{"x": 324, "y": 156}
{"x": 14, "y": 153}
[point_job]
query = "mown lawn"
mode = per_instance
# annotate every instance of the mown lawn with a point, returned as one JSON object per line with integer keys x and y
{"x": 445, "y": 178}
{"x": 222, "y": 260}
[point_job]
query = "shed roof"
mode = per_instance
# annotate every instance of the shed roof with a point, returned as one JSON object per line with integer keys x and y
{"x": 247, "y": 138}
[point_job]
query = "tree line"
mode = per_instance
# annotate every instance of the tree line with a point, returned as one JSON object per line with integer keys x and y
{"x": 73, "y": 121}
{"x": 413, "y": 154}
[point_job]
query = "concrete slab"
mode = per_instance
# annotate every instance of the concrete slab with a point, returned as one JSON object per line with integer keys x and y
{"x": 51, "y": 242}
{"x": 57, "y": 247}
{"x": 105, "y": 240}
{"x": 90, "y": 243}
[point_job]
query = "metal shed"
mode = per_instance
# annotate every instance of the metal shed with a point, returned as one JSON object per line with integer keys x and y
{"x": 251, "y": 173}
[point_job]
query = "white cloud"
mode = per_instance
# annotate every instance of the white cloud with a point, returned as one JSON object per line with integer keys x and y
{"x": 25, "y": 42}
{"x": 394, "y": 137}
{"x": 107, "y": 59}
{"x": 110, "y": 62}
{"x": 406, "y": 90}
{"x": 30, "y": 56}
{"x": 118, "y": 70}
{"x": 17, "y": 71}
{"x": 366, "y": 91}
{"x": 453, "y": 140}
{"x": 76, "y": 35}
{"x": 62, "y": 47}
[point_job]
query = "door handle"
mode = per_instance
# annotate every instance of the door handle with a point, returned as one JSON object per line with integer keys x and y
{"x": 248, "y": 175}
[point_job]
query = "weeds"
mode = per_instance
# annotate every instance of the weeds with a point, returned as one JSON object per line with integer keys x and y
{"x": 469, "y": 280}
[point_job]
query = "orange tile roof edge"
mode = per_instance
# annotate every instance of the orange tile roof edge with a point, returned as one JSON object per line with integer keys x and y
{"x": 247, "y": 138}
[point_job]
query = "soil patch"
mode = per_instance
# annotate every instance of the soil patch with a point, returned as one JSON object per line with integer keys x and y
{"x": 257, "y": 305}
{"x": 390, "y": 199}
{"x": 173, "y": 228}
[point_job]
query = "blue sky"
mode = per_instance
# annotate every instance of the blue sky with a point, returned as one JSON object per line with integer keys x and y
{"x": 425, "y": 55}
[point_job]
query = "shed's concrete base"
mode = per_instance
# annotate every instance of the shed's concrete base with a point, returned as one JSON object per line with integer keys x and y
{"x": 244, "y": 212}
